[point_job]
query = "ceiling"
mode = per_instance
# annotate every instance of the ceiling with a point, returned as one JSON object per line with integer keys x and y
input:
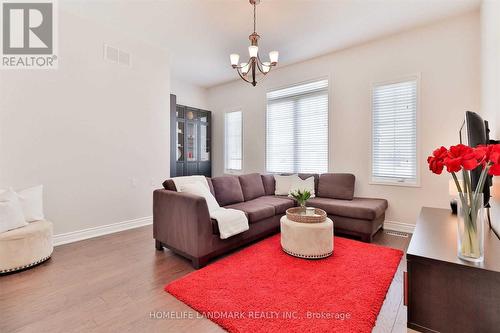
{"x": 200, "y": 34}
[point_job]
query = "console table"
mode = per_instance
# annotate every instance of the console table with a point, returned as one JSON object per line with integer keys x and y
{"x": 444, "y": 293}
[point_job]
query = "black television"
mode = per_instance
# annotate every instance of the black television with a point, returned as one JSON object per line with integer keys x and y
{"x": 475, "y": 132}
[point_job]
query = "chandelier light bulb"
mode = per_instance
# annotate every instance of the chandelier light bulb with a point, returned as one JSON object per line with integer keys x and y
{"x": 235, "y": 58}
{"x": 253, "y": 50}
{"x": 266, "y": 66}
{"x": 273, "y": 56}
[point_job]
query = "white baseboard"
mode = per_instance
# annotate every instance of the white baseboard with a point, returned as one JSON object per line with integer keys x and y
{"x": 79, "y": 235}
{"x": 399, "y": 226}
{"x": 75, "y": 236}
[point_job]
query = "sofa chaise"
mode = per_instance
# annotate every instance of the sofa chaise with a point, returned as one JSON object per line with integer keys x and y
{"x": 182, "y": 223}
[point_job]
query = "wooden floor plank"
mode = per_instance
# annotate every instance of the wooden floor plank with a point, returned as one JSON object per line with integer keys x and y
{"x": 115, "y": 283}
{"x": 388, "y": 313}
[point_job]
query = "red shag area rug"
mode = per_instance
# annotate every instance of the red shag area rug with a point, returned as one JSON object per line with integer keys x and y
{"x": 263, "y": 289}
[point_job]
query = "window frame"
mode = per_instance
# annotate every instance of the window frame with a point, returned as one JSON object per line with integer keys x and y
{"x": 226, "y": 169}
{"x": 387, "y": 181}
{"x": 329, "y": 117}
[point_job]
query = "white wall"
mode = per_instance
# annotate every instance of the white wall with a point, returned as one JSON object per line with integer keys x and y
{"x": 445, "y": 54}
{"x": 490, "y": 84}
{"x": 490, "y": 64}
{"x": 95, "y": 134}
{"x": 189, "y": 94}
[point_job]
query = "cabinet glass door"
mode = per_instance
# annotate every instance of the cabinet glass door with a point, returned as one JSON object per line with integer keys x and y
{"x": 203, "y": 116}
{"x": 191, "y": 144}
{"x": 204, "y": 143}
{"x": 180, "y": 141}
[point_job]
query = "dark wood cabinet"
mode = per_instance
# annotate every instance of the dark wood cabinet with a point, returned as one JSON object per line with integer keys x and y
{"x": 191, "y": 133}
{"x": 444, "y": 293}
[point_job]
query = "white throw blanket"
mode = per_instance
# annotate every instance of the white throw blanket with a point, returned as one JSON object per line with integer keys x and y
{"x": 230, "y": 221}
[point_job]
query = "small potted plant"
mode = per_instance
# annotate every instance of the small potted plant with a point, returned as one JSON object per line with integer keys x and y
{"x": 301, "y": 197}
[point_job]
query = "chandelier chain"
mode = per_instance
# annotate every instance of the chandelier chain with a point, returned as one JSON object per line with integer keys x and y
{"x": 254, "y": 18}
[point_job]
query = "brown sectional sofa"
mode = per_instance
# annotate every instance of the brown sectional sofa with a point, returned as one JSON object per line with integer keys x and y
{"x": 181, "y": 221}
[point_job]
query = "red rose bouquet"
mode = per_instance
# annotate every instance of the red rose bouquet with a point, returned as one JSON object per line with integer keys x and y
{"x": 461, "y": 158}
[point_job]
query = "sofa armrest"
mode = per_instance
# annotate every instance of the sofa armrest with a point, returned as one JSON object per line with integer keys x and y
{"x": 181, "y": 221}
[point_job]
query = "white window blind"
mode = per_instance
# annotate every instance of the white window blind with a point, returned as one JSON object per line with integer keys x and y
{"x": 394, "y": 137}
{"x": 233, "y": 140}
{"x": 297, "y": 129}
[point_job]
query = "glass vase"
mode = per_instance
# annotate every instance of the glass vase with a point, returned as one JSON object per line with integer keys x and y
{"x": 470, "y": 236}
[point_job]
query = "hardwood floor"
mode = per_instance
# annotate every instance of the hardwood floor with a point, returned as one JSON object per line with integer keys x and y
{"x": 114, "y": 283}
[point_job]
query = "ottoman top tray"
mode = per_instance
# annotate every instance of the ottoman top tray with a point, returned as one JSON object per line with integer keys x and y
{"x": 298, "y": 214}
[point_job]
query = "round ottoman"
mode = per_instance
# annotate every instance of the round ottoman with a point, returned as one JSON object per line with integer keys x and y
{"x": 24, "y": 247}
{"x": 307, "y": 240}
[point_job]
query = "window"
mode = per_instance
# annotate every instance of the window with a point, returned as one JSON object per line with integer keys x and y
{"x": 394, "y": 132}
{"x": 297, "y": 129}
{"x": 233, "y": 140}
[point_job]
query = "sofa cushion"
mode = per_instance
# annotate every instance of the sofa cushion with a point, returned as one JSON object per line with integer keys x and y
{"x": 269, "y": 184}
{"x": 307, "y": 184}
{"x": 254, "y": 210}
{"x": 201, "y": 191}
{"x": 227, "y": 190}
{"x": 252, "y": 186}
{"x": 283, "y": 183}
{"x": 357, "y": 208}
{"x": 304, "y": 176}
{"x": 316, "y": 179}
{"x": 280, "y": 203}
{"x": 170, "y": 185}
{"x": 336, "y": 186}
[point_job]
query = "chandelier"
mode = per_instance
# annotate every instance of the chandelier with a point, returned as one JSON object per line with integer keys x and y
{"x": 248, "y": 70}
